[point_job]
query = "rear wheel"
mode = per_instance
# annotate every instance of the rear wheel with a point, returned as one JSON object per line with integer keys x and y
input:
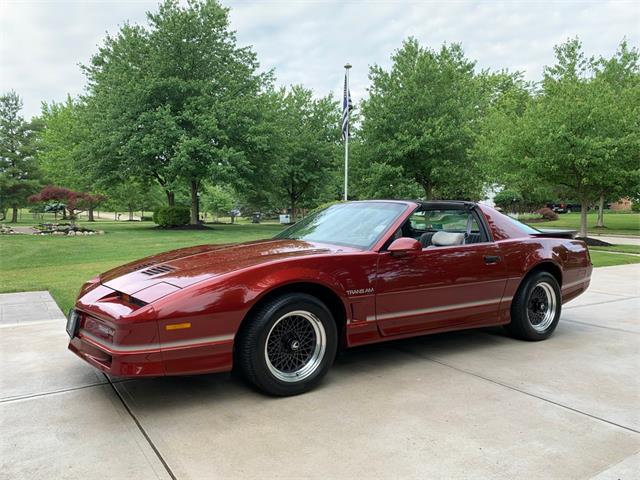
{"x": 288, "y": 345}
{"x": 536, "y": 307}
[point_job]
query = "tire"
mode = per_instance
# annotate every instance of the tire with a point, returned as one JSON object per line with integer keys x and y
{"x": 536, "y": 308}
{"x": 288, "y": 345}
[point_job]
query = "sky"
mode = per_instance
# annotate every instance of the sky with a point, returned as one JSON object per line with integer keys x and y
{"x": 43, "y": 42}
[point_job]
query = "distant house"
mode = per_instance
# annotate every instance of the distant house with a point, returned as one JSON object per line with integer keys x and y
{"x": 622, "y": 204}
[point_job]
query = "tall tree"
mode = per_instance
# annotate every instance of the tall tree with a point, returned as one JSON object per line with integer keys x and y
{"x": 64, "y": 153}
{"x": 19, "y": 175}
{"x": 301, "y": 154}
{"x": 617, "y": 80}
{"x": 421, "y": 116}
{"x": 219, "y": 200}
{"x": 579, "y": 132}
{"x": 175, "y": 97}
{"x": 132, "y": 195}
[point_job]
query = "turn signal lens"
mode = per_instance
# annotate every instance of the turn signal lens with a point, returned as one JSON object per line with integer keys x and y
{"x": 177, "y": 326}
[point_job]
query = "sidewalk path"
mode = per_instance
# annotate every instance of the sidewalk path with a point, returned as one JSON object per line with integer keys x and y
{"x": 28, "y": 307}
{"x": 617, "y": 239}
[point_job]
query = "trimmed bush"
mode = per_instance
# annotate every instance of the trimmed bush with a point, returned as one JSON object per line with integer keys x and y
{"x": 547, "y": 214}
{"x": 168, "y": 217}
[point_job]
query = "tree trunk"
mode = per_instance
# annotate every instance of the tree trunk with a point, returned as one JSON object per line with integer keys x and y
{"x": 171, "y": 198}
{"x": 428, "y": 191}
{"x": 194, "y": 202}
{"x": 64, "y": 213}
{"x": 584, "y": 208}
{"x": 600, "y": 222}
{"x": 130, "y": 214}
{"x": 14, "y": 214}
{"x": 293, "y": 211}
{"x": 91, "y": 219}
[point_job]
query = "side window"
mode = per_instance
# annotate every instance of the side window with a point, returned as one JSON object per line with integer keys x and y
{"x": 447, "y": 220}
{"x": 426, "y": 223}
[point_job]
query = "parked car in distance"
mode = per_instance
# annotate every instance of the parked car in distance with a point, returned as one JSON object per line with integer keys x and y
{"x": 354, "y": 273}
{"x": 569, "y": 207}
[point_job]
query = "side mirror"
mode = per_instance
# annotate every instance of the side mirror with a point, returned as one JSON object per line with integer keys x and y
{"x": 404, "y": 246}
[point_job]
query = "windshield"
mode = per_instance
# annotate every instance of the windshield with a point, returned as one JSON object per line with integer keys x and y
{"x": 523, "y": 226}
{"x": 357, "y": 225}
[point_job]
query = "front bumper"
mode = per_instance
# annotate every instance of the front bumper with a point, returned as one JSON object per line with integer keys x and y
{"x": 118, "y": 364}
{"x": 116, "y": 360}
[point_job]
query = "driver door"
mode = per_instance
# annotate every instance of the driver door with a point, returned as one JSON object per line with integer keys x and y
{"x": 440, "y": 287}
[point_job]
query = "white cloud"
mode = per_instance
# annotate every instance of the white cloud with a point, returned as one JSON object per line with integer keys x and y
{"x": 308, "y": 41}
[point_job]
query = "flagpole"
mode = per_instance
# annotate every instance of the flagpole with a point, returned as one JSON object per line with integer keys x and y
{"x": 346, "y": 140}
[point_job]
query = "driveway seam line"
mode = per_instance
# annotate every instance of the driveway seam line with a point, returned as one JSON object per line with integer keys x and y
{"x": 622, "y": 299}
{"x": 601, "y": 326}
{"x": 610, "y": 467}
{"x": 142, "y": 430}
{"x": 45, "y": 394}
{"x": 510, "y": 387}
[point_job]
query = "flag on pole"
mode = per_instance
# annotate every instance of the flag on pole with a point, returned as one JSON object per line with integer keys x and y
{"x": 347, "y": 106}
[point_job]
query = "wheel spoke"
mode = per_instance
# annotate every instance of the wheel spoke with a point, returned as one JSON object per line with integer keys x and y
{"x": 541, "y": 306}
{"x": 295, "y": 346}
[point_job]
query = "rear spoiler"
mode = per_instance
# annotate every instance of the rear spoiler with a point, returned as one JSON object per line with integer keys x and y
{"x": 553, "y": 233}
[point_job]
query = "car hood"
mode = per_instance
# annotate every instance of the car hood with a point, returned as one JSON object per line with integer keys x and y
{"x": 176, "y": 269}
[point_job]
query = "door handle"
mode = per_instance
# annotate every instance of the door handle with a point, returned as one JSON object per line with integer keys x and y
{"x": 491, "y": 259}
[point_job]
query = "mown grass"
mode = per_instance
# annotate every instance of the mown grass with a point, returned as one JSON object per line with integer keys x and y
{"x": 62, "y": 264}
{"x": 615, "y": 223}
{"x": 604, "y": 259}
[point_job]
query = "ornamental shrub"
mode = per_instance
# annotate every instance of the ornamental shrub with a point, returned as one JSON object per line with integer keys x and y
{"x": 168, "y": 217}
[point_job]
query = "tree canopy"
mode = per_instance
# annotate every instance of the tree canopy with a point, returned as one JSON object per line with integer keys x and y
{"x": 421, "y": 116}
{"x": 172, "y": 100}
{"x": 19, "y": 173}
{"x": 580, "y": 132}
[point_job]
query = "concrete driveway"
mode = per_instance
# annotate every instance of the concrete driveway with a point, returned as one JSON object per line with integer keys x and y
{"x": 466, "y": 405}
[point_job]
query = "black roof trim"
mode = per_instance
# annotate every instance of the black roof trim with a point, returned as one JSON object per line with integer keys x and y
{"x": 423, "y": 203}
{"x": 447, "y": 203}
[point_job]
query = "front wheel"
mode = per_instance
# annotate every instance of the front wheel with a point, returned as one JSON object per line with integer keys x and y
{"x": 288, "y": 345}
{"x": 536, "y": 308}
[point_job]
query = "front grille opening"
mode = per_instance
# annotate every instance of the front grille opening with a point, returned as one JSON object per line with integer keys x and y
{"x": 157, "y": 270}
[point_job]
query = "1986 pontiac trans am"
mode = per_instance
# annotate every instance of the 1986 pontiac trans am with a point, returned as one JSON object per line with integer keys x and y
{"x": 355, "y": 273}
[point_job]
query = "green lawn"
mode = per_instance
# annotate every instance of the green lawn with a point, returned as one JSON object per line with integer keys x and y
{"x": 615, "y": 223}
{"x": 62, "y": 264}
{"x": 603, "y": 259}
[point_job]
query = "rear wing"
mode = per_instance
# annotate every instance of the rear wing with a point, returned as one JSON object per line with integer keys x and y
{"x": 554, "y": 233}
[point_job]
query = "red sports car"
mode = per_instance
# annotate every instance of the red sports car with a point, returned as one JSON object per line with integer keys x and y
{"x": 355, "y": 273}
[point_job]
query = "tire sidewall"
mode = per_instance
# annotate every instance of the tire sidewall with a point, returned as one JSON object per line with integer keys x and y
{"x": 529, "y": 286}
{"x": 266, "y": 320}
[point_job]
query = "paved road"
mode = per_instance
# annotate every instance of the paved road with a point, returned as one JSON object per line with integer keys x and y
{"x": 464, "y": 405}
